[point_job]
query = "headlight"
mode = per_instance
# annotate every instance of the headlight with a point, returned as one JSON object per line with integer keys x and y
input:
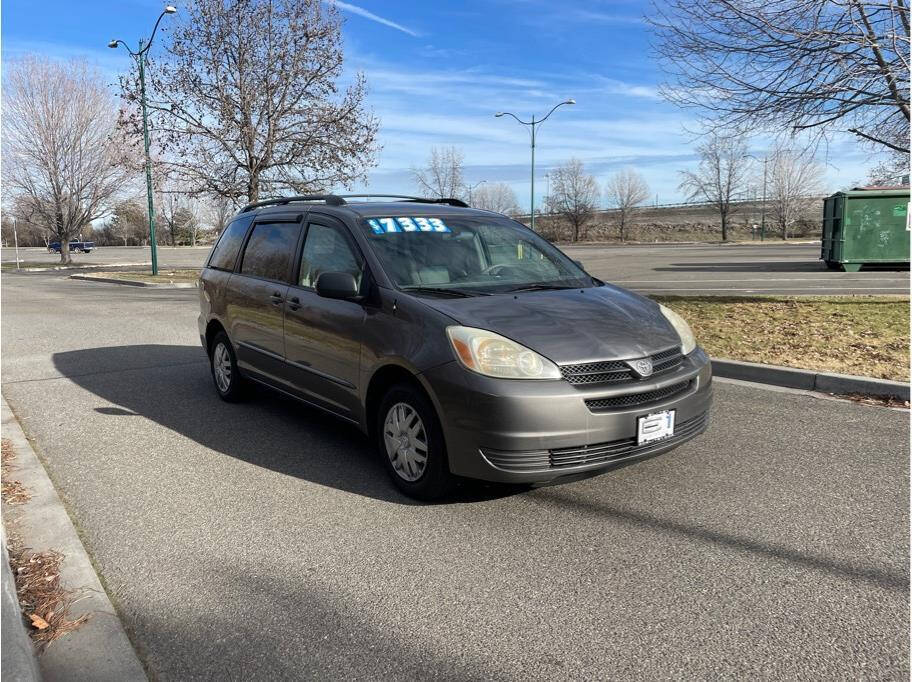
{"x": 495, "y": 356}
{"x": 688, "y": 342}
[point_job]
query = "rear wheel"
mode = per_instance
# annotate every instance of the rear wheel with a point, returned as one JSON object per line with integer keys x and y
{"x": 411, "y": 444}
{"x": 229, "y": 383}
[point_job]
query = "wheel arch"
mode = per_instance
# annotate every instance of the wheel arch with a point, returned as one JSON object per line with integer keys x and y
{"x": 384, "y": 378}
{"x": 212, "y": 329}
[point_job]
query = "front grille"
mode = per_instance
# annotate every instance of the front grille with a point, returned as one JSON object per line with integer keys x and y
{"x": 587, "y": 455}
{"x": 617, "y": 371}
{"x": 634, "y": 399}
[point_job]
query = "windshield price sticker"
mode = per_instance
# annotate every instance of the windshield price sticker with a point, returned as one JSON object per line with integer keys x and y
{"x": 407, "y": 224}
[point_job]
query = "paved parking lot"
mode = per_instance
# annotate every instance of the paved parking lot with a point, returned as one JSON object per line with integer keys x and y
{"x": 263, "y": 540}
{"x": 688, "y": 269}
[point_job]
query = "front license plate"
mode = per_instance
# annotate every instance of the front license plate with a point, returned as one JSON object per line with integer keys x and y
{"x": 655, "y": 426}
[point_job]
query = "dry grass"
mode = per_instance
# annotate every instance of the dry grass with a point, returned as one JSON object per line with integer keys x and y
{"x": 44, "y": 603}
{"x": 12, "y": 491}
{"x": 863, "y": 335}
{"x": 163, "y": 276}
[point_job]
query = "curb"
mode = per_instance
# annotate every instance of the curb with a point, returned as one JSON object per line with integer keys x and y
{"x": 135, "y": 282}
{"x": 100, "y": 648}
{"x": 18, "y": 653}
{"x": 809, "y": 380}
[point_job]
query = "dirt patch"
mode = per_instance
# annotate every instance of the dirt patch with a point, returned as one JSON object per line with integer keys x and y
{"x": 874, "y": 400}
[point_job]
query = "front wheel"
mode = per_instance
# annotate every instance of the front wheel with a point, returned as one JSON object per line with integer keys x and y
{"x": 229, "y": 383}
{"x": 411, "y": 444}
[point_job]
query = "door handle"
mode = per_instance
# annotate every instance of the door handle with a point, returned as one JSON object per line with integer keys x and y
{"x": 276, "y": 298}
{"x": 294, "y": 303}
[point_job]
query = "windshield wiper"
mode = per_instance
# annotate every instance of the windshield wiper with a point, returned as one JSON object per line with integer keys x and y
{"x": 541, "y": 287}
{"x": 458, "y": 293}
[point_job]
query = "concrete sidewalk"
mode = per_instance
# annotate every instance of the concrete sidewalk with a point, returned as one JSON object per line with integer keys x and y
{"x": 99, "y": 650}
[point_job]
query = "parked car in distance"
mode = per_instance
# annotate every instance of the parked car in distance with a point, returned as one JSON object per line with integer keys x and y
{"x": 463, "y": 343}
{"x": 75, "y": 247}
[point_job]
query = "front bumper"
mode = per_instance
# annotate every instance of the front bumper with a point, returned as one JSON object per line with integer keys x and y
{"x": 538, "y": 431}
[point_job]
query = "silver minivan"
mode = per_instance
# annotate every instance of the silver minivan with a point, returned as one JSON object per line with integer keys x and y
{"x": 463, "y": 343}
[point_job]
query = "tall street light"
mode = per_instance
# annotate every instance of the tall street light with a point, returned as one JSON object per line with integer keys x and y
{"x": 763, "y": 204}
{"x": 140, "y": 57}
{"x": 532, "y": 125}
{"x": 472, "y": 189}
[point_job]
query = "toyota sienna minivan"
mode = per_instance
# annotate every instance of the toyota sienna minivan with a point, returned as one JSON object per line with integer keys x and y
{"x": 463, "y": 343}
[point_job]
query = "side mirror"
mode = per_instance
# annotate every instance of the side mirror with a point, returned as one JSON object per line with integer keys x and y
{"x": 340, "y": 285}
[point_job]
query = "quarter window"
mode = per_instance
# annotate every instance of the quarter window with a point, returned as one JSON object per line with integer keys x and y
{"x": 270, "y": 250}
{"x": 225, "y": 252}
{"x": 326, "y": 250}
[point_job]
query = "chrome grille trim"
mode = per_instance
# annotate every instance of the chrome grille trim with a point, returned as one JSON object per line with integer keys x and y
{"x": 617, "y": 371}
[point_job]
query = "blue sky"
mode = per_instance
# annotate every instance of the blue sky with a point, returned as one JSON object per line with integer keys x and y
{"x": 437, "y": 72}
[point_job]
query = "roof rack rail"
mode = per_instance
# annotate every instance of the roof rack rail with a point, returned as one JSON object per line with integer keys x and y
{"x": 331, "y": 199}
{"x": 423, "y": 200}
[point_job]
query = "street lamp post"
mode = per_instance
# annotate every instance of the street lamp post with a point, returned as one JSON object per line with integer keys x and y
{"x": 763, "y": 201}
{"x": 472, "y": 189}
{"x": 140, "y": 57}
{"x": 532, "y": 125}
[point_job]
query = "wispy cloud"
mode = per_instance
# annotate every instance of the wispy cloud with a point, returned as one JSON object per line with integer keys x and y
{"x": 361, "y": 12}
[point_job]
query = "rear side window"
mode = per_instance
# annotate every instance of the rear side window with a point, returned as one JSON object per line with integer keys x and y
{"x": 225, "y": 252}
{"x": 270, "y": 250}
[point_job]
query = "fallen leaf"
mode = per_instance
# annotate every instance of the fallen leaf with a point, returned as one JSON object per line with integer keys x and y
{"x": 39, "y": 622}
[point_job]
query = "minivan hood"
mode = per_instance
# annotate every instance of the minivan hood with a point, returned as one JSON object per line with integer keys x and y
{"x": 568, "y": 325}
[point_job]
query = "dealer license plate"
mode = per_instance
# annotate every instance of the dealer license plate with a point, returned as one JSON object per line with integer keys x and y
{"x": 655, "y": 426}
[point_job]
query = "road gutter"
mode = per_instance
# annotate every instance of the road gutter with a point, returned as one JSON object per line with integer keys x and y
{"x": 100, "y": 648}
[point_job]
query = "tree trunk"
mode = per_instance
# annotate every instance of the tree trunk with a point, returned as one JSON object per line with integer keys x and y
{"x": 253, "y": 188}
{"x": 724, "y": 215}
{"x": 63, "y": 237}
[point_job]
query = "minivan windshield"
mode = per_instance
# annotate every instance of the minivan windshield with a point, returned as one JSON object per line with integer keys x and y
{"x": 471, "y": 255}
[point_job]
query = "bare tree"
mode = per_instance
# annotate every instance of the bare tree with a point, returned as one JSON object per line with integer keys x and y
{"x": 180, "y": 217}
{"x": 63, "y": 158}
{"x": 625, "y": 190}
{"x": 794, "y": 179}
{"x": 574, "y": 195}
{"x": 721, "y": 176}
{"x": 496, "y": 196}
{"x": 246, "y": 102}
{"x": 783, "y": 65}
{"x": 441, "y": 177}
{"x": 220, "y": 213}
{"x": 129, "y": 222}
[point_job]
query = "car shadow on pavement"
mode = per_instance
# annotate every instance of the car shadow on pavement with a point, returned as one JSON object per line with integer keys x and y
{"x": 171, "y": 386}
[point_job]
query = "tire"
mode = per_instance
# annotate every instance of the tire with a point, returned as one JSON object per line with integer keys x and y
{"x": 229, "y": 384}
{"x": 407, "y": 418}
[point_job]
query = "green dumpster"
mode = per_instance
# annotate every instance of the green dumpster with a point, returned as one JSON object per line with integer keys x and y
{"x": 865, "y": 226}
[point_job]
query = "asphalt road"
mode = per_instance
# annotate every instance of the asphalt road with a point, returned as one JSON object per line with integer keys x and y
{"x": 262, "y": 540}
{"x": 688, "y": 269}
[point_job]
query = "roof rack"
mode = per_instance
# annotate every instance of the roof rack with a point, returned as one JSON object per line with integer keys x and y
{"x": 330, "y": 199}
{"x": 339, "y": 200}
{"x": 423, "y": 200}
